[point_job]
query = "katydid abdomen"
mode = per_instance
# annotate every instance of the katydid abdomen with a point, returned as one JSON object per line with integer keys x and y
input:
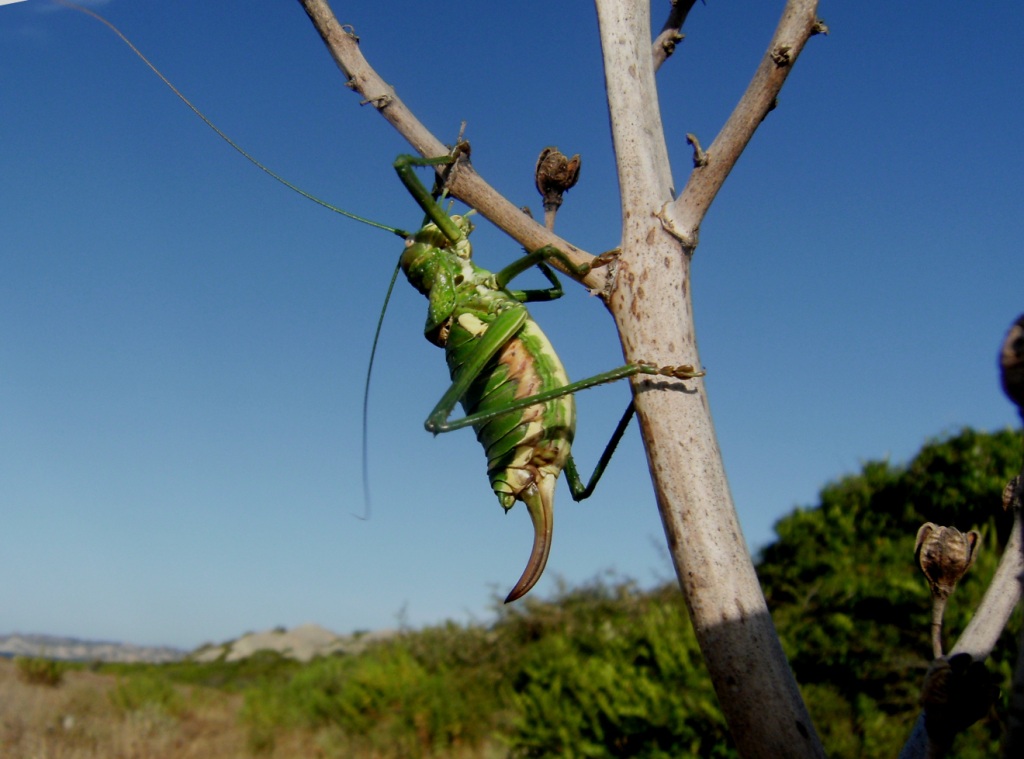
{"x": 527, "y": 449}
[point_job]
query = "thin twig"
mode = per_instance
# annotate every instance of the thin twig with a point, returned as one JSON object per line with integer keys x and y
{"x": 464, "y": 182}
{"x": 1002, "y": 596}
{"x": 799, "y": 22}
{"x": 938, "y": 611}
{"x": 1014, "y": 745}
{"x": 671, "y": 35}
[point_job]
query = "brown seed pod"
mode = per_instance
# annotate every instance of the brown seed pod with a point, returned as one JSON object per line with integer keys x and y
{"x": 555, "y": 174}
{"x": 1011, "y": 363}
{"x": 945, "y": 554}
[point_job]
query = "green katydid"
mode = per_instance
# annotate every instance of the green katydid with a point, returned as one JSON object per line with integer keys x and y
{"x": 504, "y": 370}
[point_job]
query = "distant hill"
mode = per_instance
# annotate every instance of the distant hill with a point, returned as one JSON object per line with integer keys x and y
{"x": 74, "y": 649}
{"x": 302, "y": 643}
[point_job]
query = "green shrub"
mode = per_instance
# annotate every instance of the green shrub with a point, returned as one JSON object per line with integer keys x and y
{"x": 414, "y": 696}
{"x": 608, "y": 670}
{"x": 37, "y": 670}
{"x": 147, "y": 691}
{"x": 262, "y": 668}
{"x": 617, "y": 673}
{"x": 852, "y": 607}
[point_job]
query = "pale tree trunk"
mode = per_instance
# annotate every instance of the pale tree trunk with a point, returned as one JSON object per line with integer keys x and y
{"x": 651, "y": 303}
{"x": 648, "y": 292}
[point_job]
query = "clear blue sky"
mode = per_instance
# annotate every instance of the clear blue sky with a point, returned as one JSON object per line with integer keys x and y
{"x": 183, "y": 342}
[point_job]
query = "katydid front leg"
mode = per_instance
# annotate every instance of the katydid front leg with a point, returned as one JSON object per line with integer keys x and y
{"x": 405, "y": 165}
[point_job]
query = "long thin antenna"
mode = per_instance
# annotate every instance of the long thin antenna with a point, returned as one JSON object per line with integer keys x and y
{"x": 400, "y": 232}
{"x": 366, "y": 396}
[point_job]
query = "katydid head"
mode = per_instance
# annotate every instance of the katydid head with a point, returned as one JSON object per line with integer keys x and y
{"x": 429, "y": 250}
{"x": 436, "y": 266}
{"x": 430, "y": 235}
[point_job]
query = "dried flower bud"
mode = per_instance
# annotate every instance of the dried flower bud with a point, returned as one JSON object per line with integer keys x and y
{"x": 945, "y": 554}
{"x": 1011, "y": 362}
{"x": 555, "y": 174}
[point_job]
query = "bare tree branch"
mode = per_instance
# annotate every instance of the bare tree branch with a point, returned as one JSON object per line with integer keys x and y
{"x": 1014, "y": 745}
{"x": 670, "y": 36}
{"x": 652, "y": 307}
{"x": 464, "y": 182}
{"x": 799, "y": 21}
{"x": 1003, "y": 594}
{"x": 1001, "y": 597}
{"x": 1011, "y": 371}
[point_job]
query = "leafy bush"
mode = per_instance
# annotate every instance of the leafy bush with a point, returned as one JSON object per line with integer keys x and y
{"x": 262, "y": 668}
{"x": 37, "y": 670}
{"x": 615, "y": 672}
{"x": 609, "y": 670}
{"x": 147, "y": 692}
{"x": 414, "y": 696}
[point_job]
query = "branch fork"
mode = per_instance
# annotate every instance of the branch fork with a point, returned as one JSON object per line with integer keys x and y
{"x": 646, "y": 287}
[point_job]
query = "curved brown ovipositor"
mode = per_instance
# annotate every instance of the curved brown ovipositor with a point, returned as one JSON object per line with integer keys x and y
{"x": 538, "y": 502}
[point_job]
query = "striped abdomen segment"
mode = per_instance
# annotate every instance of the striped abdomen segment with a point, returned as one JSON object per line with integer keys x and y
{"x": 525, "y": 447}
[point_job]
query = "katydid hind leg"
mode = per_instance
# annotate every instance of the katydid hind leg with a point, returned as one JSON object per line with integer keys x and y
{"x": 437, "y": 423}
{"x": 580, "y": 491}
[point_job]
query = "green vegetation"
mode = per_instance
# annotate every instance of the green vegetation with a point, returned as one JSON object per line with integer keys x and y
{"x": 147, "y": 692}
{"x": 609, "y": 669}
{"x": 38, "y": 670}
{"x": 422, "y": 694}
{"x": 851, "y": 604}
{"x": 264, "y": 668}
{"x": 599, "y": 669}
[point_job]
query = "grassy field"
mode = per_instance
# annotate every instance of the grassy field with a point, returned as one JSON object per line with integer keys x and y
{"x": 142, "y": 712}
{"x": 87, "y": 715}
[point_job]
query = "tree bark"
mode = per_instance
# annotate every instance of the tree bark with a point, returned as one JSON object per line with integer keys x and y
{"x": 651, "y": 303}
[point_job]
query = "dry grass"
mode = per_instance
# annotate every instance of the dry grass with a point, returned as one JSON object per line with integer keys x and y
{"x": 78, "y": 720}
